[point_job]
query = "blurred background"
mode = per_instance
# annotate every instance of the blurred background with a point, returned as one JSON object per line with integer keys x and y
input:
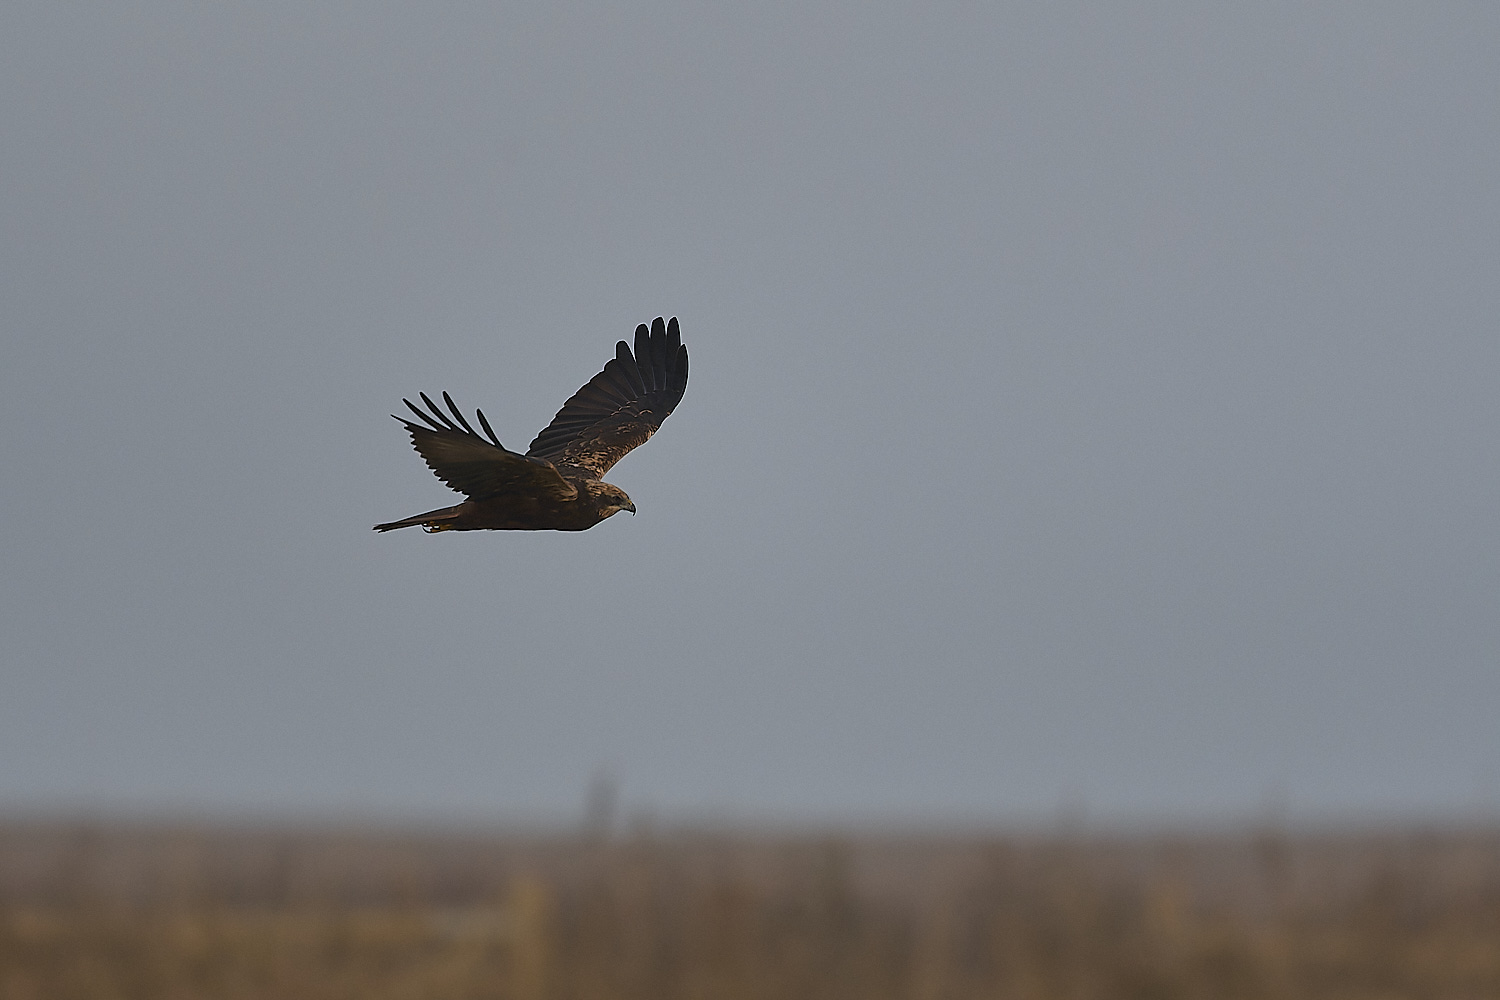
{"x": 1090, "y": 409}
{"x": 1091, "y": 425}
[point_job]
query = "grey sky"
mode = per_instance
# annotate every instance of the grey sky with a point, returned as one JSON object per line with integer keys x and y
{"x": 1090, "y": 404}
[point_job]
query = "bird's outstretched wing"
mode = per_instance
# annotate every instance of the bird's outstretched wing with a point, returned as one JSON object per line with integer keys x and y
{"x": 475, "y": 467}
{"x": 620, "y": 407}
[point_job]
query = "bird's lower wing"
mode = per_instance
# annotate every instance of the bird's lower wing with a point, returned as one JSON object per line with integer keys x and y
{"x": 478, "y": 468}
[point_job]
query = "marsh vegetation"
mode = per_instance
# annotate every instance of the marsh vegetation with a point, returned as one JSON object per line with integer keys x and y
{"x": 167, "y": 912}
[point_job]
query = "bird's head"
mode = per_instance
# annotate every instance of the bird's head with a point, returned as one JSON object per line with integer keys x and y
{"x": 612, "y": 500}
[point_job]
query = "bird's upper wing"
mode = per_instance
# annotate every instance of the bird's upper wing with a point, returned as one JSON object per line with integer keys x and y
{"x": 620, "y": 407}
{"x": 474, "y": 466}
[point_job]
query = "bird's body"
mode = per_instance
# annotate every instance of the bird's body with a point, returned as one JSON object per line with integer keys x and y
{"x": 557, "y": 485}
{"x": 522, "y": 513}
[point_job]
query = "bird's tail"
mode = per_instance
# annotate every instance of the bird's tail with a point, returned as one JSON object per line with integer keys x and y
{"x": 433, "y": 520}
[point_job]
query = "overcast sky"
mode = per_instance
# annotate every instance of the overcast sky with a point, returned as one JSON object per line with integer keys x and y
{"x": 1093, "y": 408}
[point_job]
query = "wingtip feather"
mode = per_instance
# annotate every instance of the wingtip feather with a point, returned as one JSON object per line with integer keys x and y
{"x": 447, "y": 424}
{"x": 486, "y": 425}
{"x": 424, "y": 417}
{"x": 643, "y": 356}
{"x": 457, "y": 415}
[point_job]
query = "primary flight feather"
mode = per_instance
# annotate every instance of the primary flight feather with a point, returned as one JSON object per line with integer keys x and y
{"x": 558, "y": 483}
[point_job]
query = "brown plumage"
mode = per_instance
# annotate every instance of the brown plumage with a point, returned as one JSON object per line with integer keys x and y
{"x": 558, "y": 483}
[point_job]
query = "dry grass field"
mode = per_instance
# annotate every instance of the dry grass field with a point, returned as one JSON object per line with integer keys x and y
{"x": 176, "y": 912}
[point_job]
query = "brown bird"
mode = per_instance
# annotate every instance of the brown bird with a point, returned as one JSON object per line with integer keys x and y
{"x": 558, "y": 483}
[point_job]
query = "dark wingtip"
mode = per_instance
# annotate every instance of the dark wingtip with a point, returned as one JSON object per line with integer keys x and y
{"x": 628, "y": 367}
{"x": 659, "y": 354}
{"x": 643, "y": 356}
{"x": 437, "y": 412}
{"x": 456, "y": 414}
{"x": 425, "y": 418}
{"x": 486, "y": 425}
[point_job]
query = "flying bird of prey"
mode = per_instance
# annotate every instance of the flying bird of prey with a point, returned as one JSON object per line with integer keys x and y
{"x": 558, "y": 484}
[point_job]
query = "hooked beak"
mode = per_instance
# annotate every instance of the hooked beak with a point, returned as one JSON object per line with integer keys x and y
{"x": 631, "y": 508}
